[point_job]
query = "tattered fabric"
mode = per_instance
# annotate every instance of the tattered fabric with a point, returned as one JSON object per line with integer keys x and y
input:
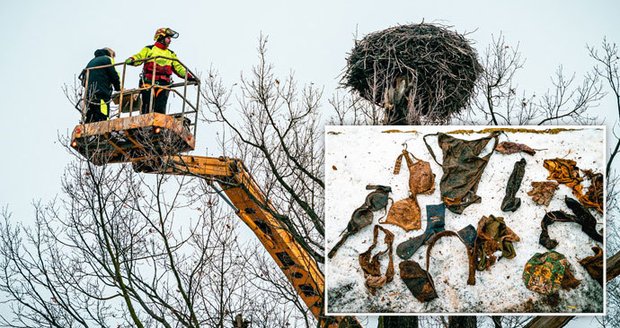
{"x": 594, "y": 196}
{"x": 467, "y": 237}
{"x": 510, "y": 202}
{"x": 507, "y": 148}
{"x": 543, "y": 191}
{"x": 405, "y": 213}
{"x": 594, "y": 264}
{"x": 493, "y": 236}
{"x": 362, "y": 216}
{"x": 566, "y": 171}
{"x": 420, "y": 282}
{"x": 371, "y": 265}
{"x": 582, "y": 217}
{"x": 546, "y": 273}
{"x": 417, "y": 280}
{"x": 462, "y": 169}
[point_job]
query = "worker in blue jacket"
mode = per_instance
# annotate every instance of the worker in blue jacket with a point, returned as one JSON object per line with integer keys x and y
{"x": 99, "y": 85}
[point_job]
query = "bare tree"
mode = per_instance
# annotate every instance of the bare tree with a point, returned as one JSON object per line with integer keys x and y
{"x": 276, "y": 289}
{"x": 123, "y": 249}
{"x": 279, "y": 135}
{"x": 498, "y": 95}
{"x": 606, "y": 58}
{"x": 355, "y": 110}
{"x": 500, "y": 102}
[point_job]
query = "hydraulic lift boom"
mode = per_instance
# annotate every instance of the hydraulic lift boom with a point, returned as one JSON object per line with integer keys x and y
{"x": 152, "y": 142}
{"x": 258, "y": 214}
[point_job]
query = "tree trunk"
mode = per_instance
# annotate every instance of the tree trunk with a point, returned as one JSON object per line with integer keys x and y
{"x": 613, "y": 266}
{"x": 544, "y": 322}
{"x": 462, "y": 322}
{"x": 398, "y": 322}
{"x": 497, "y": 321}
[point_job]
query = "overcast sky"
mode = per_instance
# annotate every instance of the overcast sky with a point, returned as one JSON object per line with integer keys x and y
{"x": 46, "y": 43}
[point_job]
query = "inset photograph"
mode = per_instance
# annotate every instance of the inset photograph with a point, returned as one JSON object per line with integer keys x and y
{"x": 462, "y": 219}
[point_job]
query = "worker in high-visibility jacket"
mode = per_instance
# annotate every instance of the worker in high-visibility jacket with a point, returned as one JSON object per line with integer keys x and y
{"x": 99, "y": 77}
{"x": 157, "y": 72}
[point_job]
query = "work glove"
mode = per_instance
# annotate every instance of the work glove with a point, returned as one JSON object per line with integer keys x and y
{"x": 130, "y": 61}
{"x": 191, "y": 78}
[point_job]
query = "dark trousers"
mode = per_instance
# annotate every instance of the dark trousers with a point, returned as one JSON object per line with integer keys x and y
{"x": 98, "y": 110}
{"x": 160, "y": 98}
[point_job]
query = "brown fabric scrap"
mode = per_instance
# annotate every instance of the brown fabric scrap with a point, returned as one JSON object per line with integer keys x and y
{"x": 418, "y": 281}
{"x": 594, "y": 196}
{"x": 569, "y": 281}
{"x": 371, "y": 264}
{"x": 507, "y": 148}
{"x": 566, "y": 171}
{"x": 471, "y": 278}
{"x": 462, "y": 168}
{"x": 594, "y": 264}
{"x": 405, "y": 213}
{"x": 493, "y": 235}
{"x": 549, "y": 219}
{"x": 543, "y": 191}
{"x": 563, "y": 171}
{"x": 421, "y": 177}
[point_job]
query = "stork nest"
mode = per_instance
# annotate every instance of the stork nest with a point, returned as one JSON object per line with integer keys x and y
{"x": 428, "y": 69}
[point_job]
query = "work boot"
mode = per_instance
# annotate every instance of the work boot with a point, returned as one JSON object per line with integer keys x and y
{"x": 435, "y": 222}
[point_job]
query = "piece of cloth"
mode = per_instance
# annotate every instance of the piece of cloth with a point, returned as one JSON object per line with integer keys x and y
{"x": 493, "y": 236}
{"x": 581, "y": 216}
{"x": 510, "y": 202}
{"x": 584, "y": 218}
{"x": 421, "y": 177}
{"x": 467, "y": 237}
{"x": 593, "y": 197}
{"x": 372, "y": 266}
{"x": 462, "y": 168}
{"x": 594, "y": 264}
{"x": 565, "y": 171}
{"x": 546, "y": 273}
{"x": 99, "y": 84}
{"x": 157, "y": 72}
{"x": 362, "y": 216}
{"x": 435, "y": 222}
{"x": 417, "y": 280}
{"x": 543, "y": 191}
{"x": 405, "y": 213}
{"x": 507, "y": 148}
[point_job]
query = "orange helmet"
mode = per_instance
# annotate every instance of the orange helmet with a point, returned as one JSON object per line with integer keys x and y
{"x": 165, "y": 31}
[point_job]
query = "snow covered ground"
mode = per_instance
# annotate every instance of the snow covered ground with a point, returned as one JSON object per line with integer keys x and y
{"x": 361, "y": 155}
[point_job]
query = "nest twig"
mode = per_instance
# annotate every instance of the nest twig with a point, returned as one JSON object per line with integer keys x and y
{"x": 422, "y": 70}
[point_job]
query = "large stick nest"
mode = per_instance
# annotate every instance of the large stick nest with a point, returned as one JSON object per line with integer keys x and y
{"x": 427, "y": 68}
